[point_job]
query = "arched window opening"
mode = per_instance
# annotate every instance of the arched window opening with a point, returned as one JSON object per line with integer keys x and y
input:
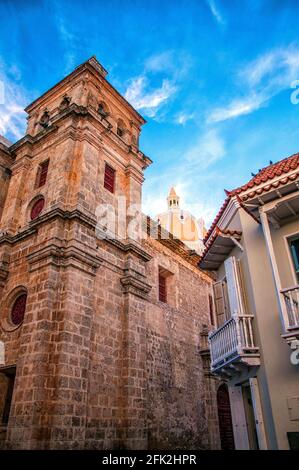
{"x": 121, "y": 130}
{"x": 103, "y": 110}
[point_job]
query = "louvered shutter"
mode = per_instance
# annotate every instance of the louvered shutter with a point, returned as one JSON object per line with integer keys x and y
{"x": 162, "y": 289}
{"x": 43, "y": 173}
{"x": 234, "y": 286}
{"x": 238, "y": 418}
{"x": 219, "y": 298}
{"x": 109, "y": 178}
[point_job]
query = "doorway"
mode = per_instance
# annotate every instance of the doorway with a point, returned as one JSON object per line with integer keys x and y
{"x": 7, "y": 380}
{"x": 250, "y": 419}
{"x": 225, "y": 419}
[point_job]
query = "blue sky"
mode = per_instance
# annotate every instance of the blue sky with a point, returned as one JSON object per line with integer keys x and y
{"x": 212, "y": 77}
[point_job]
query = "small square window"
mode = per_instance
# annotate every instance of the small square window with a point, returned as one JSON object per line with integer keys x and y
{"x": 109, "y": 178}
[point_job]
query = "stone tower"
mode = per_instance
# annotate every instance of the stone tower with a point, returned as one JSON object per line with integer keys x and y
{"x": 75, "y": 307}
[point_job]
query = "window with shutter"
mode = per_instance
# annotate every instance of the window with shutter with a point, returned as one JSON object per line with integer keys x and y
{"x": 109, "y": 178}
{"x": 162, "y": 288}
{"x": 221, "y": 304}
{"x": 234, "y": 286}
{"x": 43, "y": 172}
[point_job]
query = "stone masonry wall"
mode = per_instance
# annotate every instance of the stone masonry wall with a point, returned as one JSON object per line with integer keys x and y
{"x": 178, "y": 409}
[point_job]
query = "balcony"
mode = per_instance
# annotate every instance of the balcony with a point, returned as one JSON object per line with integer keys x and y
{"x": 291, "y": 318}
{"x": 232, "y": 346}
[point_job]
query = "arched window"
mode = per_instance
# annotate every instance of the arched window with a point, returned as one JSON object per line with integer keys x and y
{"x": 37, "y": 208}
{"x": 103, "y": 110}
{"x": 18, "y": 309}
{"x": 120, "y": 128}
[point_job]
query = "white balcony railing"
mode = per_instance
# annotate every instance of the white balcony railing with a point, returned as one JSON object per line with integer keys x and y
{"x": 291, "y": 298}
{"x": 231, "y": 340}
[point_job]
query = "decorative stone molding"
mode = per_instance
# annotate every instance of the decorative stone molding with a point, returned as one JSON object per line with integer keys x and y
{"x": 5, "y": 315}
{"x": 93, "y": 61}
{"x": 64, "y": 257}
{"x": 133, "y": 285}
{"x": 3, "y": 271}
{"x": 204, "y": 351}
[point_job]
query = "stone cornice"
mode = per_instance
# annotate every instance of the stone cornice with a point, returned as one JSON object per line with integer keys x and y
{"x": 126, "y": 246}
{"x": 60, "y": 256}
{"x": 10, "y": 239}
{"x": 31, "y": 140}
{"x": 80, "y": 110}
{"x": 136, "y": 286}
{"x": 94, "y": 70}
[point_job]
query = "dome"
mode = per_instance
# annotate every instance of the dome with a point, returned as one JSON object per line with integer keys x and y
{"x": 181, "y": 223}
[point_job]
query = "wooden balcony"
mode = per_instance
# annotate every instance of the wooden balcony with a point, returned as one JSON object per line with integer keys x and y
{"x": 232, "y": 347}
{"x": 291, "y": 319}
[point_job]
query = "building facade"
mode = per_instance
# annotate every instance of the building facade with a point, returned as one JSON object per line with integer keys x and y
{"x": 253, "y": 248}
{"x": 105, "y": 337}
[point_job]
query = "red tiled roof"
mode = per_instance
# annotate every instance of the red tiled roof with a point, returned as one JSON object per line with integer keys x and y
{"x": 214, "y": 223}
{"x": 266, "y": 174}
{"x": 270, "y": 172}
{"x": 217, "y": 232}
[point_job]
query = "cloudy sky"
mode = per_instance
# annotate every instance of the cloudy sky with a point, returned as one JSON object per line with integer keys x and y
{"x": 213, "y": 78}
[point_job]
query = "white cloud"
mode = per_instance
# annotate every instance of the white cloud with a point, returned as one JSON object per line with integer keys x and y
{"x": 160, "y": 62}
{"x": 261, "y": 80}
{"x": 168, "y": 69}
{"x": 143, "y": 98}
{"x": 215, "y": 12}
{"x": 175, "y": 63}
{"x": 12, "y": 114}
{"x": 182, "y": 118}
{"x": 273, "y": 71}
{"x": 68, "y": 39}
{"x": 209, "y": 148}
{"x": 236, "y": 108}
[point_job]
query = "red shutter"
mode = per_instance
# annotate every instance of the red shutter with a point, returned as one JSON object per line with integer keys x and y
{"x": 109, "y": 178}
{"x": 162, "y": 288}
{"x": 18, "y": 309}
{"x": 43, "y": 173}
{"x": 37, "y": 208}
